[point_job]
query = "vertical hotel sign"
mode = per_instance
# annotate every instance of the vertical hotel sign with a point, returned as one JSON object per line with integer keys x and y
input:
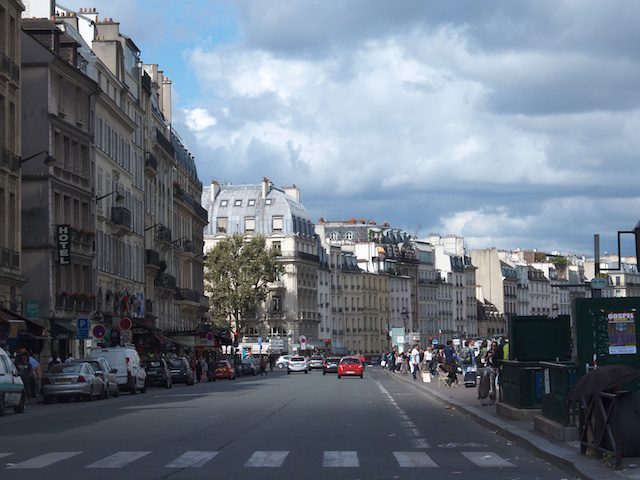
{"x": 64, "y": 248}
{"x": 622, "y": 333}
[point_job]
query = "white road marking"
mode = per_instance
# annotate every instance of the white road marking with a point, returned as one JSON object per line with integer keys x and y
{"x": 2, "y": 455}
{"x": 414, "y": 459}
{"x": 340, "y": 459}
{"x": 44, "y": 460}
{"x": 487, "y": 459}
{"x": 118, "y": 460}
{"x": 415, "y": 432}
{"x": 408, "y": 424}
{"x": 191, "y": 460}
{"x": 267, "y": 459}
{"x": 421, "y": 443}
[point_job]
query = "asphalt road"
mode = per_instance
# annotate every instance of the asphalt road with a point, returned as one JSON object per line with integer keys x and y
{"x": 276, "y": 427}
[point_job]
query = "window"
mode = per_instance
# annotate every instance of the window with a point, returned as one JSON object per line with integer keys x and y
{"x": 221, "y": 225}
{"x": 237, "y": 203}
{"x": 223, "y": 203}
{"x": 333, "y": 236}
{"x": 249, "y": 224}
{"x": 277, "y": 246}
{"x": 251, "y": 202}
{"x": 276, "y": 224}
{"x": 349, "y": 235}
{"x": 267, "y": 201}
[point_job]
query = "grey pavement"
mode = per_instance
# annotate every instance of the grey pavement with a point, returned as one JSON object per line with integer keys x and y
{"x": 273, "y": 427}
{"x": 564, "y": 454}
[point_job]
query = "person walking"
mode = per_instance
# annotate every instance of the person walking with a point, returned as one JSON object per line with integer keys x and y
{"x": 198, "y": 366}
{"x": 414, "y": 361}
{"x": 450, "y": 362}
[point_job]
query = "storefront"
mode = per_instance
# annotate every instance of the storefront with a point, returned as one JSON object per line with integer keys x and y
{"x": 18, "y": 331}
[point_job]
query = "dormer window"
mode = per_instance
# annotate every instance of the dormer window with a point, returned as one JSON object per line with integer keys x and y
{"x": 237, "y": 203}
{"x": 251, "y": 202}
{"x": 333, "y": 236}
{"x": 267, "y": 201}
{"x": 223, "y": 203}
{"x": 349, "y": 236}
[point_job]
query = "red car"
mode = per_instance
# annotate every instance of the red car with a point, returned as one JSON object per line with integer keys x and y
{"x": 350, "y": 366}
{"x": 225, "y": 370}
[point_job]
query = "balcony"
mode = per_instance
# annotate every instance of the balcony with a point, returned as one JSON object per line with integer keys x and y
{"x": 9, "y": 259}
{"x": 163, "y": 234}
{"x": 121, "y": 221}
{"x": 9, "y": 68}
{"x": 82, "y": 241}
{"x": 9, "y": 160}
{"x": 189, "y": 201}
{"x": 187, "y": 247}
{"x": 164, "y": 143}
{"x": 166, "y": 282}
{"x": 79, "y": 302}
{"x": 189, "y": 297}
{"x": 148, "y": 306}
{"x": 152, "y": 259}
{"x": 151, "y": 165}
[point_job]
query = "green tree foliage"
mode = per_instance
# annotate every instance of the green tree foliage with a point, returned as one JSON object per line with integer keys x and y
{"x": 237, "y": 273}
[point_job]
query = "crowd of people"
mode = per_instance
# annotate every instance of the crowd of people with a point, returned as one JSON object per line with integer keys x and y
{"x": 469, "y": 359}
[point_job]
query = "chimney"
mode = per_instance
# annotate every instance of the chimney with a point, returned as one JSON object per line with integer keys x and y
{"x": 266, "y": 187}
{"x": 166, "y": 98}
{"x": 215, "y": 189}
{"x": 293, "y": 191}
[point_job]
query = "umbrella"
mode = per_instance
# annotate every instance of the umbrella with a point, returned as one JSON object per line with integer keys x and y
{"x": 604, "y": 378}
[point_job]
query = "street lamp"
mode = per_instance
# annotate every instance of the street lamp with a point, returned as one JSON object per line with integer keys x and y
{"x": 153, "y": 226}
{"x": 119, "y": 196}
{"x": 48, "y": 160}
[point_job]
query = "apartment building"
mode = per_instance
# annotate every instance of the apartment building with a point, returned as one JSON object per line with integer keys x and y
{"x": 11, "y": 276}
{"x": 261, "y": 209}
{"x": 58, "y": 200}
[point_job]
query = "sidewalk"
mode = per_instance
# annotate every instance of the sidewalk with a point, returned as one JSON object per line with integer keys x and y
{"x": 564, "y": 454}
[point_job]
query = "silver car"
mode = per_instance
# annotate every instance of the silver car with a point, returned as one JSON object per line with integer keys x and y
{"x": 298, "y": 364}
{"x": 104, "y": 371}
{"x": 72, "y": 380}
{"x": 317, "y": 361}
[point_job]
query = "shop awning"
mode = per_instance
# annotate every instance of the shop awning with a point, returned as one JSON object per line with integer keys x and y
{"x": 19, "y": 323}
{"x": 184, "y": 341}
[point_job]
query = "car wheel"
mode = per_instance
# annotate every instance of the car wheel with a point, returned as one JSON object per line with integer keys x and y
{"x": 339, "y": 377}
{"x": 133, "y": 388}
{"x": 324, "y": 373}
{"x": 20, "y": 407}
{"x": 2, "y": 405}
{"x": 360, "y": 376}
{"x": 306, "y": 371}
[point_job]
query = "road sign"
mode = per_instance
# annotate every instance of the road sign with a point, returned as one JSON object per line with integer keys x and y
{"x": 303, "y": 341}
{"x": 82, "y": 328}
{"x": 125, "y": 323}
{"x": 434, "y": 342}
{"x": 210, "y": 337}
{"x": 259, "y": 341}
{"x": 99, "y": 331}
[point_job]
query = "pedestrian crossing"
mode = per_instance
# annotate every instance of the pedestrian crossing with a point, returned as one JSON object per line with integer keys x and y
{"x": 258, "y": 459}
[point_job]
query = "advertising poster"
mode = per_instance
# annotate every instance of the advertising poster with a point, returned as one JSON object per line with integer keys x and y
{"x": 622, "y": 333}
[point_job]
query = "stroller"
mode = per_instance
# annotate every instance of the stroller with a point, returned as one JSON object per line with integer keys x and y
{"x": 470, "y": 374}
{"x": 484, "y": 388}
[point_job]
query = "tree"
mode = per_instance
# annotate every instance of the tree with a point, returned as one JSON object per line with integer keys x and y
{"x": 237, "y": 274}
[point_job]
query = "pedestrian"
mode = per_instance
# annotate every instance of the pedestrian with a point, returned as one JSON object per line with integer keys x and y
{"x": 492, "y": 363}
{"x": 69, "y": 358}
{"x": 35, "y": 377}
{"x": 198, "y": 371}
{"x": 450, "y": 362}
{"x": 414, "y": 361}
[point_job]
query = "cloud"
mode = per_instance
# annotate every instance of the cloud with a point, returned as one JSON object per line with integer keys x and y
{"x": 198, "y": 119}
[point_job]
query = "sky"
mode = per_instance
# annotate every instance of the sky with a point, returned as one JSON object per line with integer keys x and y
{"x": 513, "y": 124}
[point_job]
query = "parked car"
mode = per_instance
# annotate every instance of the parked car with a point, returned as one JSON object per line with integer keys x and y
{"x": 181, "y": 371}
{"x": 298, "y": 364}
{"x": 248, "y": 366}
{"x": 225, "y": 370}
{"x": 72, "y": 380}
{"x": 12, "y": 391}
{"x": 350, "y": 366}
{"x": 158, "y": 372}
{"x": 330, "y": 365}
{"x": 283, "y": 361}
{"x": 125, "y": 360}
{"x": 104, "y": 371}
{"x": 317, "y": 361}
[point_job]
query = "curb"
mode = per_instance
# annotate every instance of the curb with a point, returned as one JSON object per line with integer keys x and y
{"x": 589, "y": 469}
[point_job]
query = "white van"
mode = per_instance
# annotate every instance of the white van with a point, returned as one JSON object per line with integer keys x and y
{"x": 131, "y": 375}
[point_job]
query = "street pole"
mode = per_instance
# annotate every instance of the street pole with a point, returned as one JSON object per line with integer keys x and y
{"x": 596, "y": 293}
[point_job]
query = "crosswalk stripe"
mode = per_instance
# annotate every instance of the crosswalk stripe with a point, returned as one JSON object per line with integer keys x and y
{"x": 192, "y": 460}
{"x": 421, "y": 443}
{"x": 487, "y": 459}
{"x": 44, "y": 460}
{"x": 340, "y": 459}
{"x": 118, "y": 459}
{"x": 2, "y": 455}
{"x": 267, "y": 459}
{"x": 414, "y": 460}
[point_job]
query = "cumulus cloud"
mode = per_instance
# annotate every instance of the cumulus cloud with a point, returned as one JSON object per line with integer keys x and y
{"x": 198, "y": 119}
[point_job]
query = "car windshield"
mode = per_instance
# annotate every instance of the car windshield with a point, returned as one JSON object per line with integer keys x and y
{"x": 223, "y": 364}
{"x": 176, "y": 363}
{"x": 317, "y": 358}
{"x": 297, "y": 359}
{"x": 333, "y": 359}
{"x": 350, "y": 361}
{"x": 66, "y": 368}
{"x": 153, "y": 363}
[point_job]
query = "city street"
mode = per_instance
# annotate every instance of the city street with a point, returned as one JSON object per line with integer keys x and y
{"x": 271, "y": 427}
